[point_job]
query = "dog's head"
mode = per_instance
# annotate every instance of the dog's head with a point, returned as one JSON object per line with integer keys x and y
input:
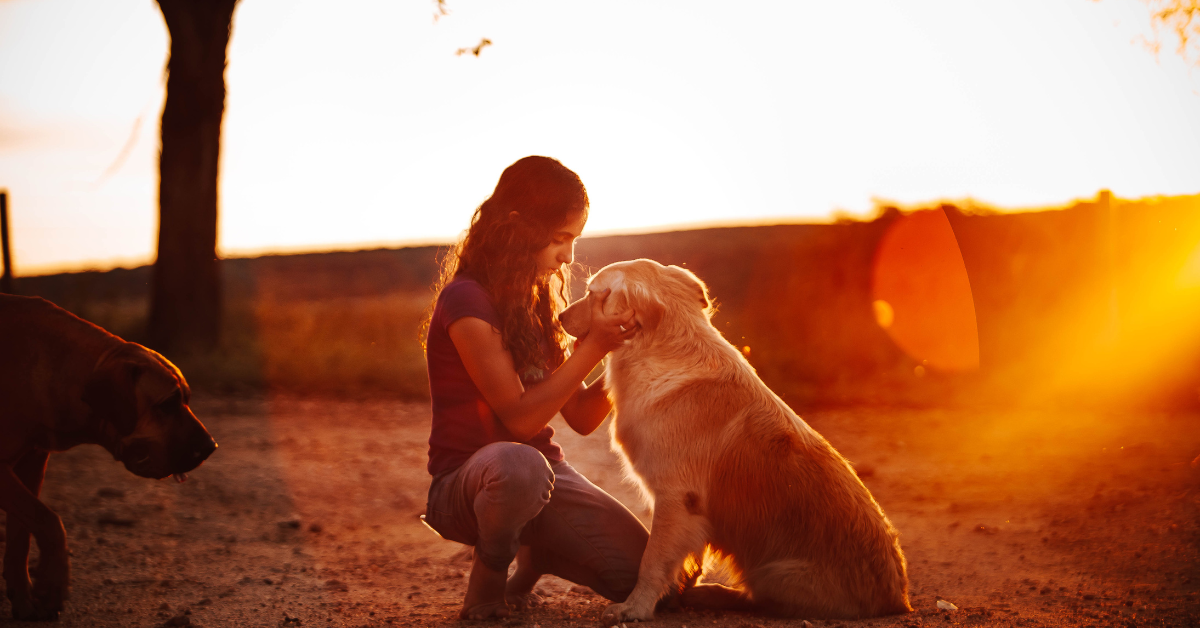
{"x": 654, "y": 292}
{"x": 139, "y": 404}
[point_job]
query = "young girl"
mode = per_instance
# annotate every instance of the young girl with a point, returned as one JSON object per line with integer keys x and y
{"x": 498, "y": 372}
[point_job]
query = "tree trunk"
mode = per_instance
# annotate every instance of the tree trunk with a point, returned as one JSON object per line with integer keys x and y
{"x": 185, "y": 306}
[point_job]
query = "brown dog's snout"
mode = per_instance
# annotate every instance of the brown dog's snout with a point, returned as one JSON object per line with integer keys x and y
{"x": 191, "y": 448}
{"x": 203, "y": 447}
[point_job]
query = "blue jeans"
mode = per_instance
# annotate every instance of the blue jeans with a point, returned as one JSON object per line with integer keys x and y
{"x": 507, "y": 495}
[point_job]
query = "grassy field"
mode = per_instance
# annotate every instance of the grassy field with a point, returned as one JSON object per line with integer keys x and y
{"x": 1089, "y": 304}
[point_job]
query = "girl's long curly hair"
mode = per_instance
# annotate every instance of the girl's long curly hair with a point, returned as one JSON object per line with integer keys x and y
{"x": 534, "y": 198}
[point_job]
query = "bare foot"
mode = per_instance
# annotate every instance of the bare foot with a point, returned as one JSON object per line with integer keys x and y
{"x": 485, "y": 593}
{"x": 523, "y": 601}
{"x": 519, "y": 589}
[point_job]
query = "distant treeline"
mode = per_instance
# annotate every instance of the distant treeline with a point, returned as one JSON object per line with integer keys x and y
{"x": 1097, "y": 303}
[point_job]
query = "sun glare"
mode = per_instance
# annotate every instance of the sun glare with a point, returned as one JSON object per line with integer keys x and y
{"x": 922, "y": 296}
{"x": 1148, "y": 323}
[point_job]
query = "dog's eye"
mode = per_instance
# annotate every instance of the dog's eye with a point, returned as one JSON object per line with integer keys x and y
{"x": 170, "y": 404}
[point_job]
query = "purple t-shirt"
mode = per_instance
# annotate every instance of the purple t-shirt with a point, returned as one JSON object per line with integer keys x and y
{"x": 463, "y": 422}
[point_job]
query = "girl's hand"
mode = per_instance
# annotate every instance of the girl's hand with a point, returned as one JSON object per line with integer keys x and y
{"x": 608, "y": 331}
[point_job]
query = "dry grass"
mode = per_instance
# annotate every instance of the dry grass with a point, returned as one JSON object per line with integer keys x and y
{"x": 348, "y": 345}
{"x": 341, "y": 347}
{"x": 1089, "y": 305}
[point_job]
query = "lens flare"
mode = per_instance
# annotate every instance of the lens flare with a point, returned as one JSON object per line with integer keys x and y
{"x": 921, "y": 293}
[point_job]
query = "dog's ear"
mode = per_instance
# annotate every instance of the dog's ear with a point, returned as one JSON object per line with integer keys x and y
{"x": 171, "y": 369}
{"x": 694, "y": 283}
{"x": 646, "y": 305}
{"x": 111, "y": 393}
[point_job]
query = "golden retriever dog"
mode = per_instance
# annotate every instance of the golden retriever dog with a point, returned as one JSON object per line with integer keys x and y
{"x": 731, "y": 470}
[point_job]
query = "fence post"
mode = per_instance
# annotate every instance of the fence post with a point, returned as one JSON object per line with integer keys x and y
{"x": 6, "y": 280}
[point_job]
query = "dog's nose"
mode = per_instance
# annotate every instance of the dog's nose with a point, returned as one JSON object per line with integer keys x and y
{"x": 203, "y": 449}
{"x": 187, "y": 451}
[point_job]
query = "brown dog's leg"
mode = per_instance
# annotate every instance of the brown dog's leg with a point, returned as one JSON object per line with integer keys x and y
{"x": 16, "y": 574}
{"x": 19, "y": 488}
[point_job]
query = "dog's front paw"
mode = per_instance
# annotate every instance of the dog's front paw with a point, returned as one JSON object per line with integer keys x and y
{"x": 616, "y": 614}
{"x": 22, "y": 605}
{"x": 27, "y": 608}
{"x": 51, "y": 586}
{"x": 48, "y": 601}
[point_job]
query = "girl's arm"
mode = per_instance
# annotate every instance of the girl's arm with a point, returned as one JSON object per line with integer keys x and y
{"x": 588, "y": 407}
{"x": 526, "y": 412}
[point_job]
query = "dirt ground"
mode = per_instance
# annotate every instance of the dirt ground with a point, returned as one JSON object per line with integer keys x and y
{"x": 308, "y": 515}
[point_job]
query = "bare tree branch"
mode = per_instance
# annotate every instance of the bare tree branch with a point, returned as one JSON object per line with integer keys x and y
{"x": 1182, "y": 18}
{"x": 483, "y": 43}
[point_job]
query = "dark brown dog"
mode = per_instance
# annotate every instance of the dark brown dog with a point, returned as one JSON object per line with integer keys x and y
{"x": 65, "y": 382}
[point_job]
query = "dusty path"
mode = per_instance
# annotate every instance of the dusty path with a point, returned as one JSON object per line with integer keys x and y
{"x": 307, "y": 515}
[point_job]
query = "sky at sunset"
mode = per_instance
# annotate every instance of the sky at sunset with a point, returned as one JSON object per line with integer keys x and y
{"x": 354, "y": 124}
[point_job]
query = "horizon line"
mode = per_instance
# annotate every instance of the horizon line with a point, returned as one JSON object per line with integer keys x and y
{"x": 967, "y": 204}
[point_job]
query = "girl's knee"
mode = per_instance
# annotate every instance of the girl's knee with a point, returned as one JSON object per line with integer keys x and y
{"x": 520, "y": 470}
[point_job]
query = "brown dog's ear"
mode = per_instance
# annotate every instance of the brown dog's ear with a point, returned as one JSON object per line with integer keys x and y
{"x": 110, "y": 394}
{"x": 171, "y": 368}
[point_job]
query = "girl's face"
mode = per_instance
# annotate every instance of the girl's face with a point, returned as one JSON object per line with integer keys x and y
{"x": 561, "y": 249}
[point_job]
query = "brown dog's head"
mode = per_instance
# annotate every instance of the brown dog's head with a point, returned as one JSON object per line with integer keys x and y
{"x": 654, "y": 292}
{"x": 139, "y": 404}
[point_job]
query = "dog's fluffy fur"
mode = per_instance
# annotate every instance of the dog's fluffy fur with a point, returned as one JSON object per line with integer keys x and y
{"x": 730, "y": 468}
